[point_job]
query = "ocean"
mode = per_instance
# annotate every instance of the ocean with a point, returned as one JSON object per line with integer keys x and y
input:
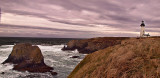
{"x": 54, "y": 57}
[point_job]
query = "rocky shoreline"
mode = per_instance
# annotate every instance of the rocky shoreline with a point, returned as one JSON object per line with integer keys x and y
{"x": 87, "y": 46}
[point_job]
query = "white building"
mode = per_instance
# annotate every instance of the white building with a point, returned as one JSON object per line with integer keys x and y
{"x": 142, "y": 33}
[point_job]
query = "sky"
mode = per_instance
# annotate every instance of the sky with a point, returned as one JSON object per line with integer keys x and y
{"x": 78, "y": 18}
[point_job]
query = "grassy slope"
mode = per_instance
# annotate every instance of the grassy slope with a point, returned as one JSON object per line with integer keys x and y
{"x": 132, "y": 58}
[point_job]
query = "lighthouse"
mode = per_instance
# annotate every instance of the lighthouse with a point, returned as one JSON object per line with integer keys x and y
{"x": 142, "y": 29}
{"x": 142, "y": 32}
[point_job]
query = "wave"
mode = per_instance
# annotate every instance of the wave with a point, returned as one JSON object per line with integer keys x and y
{"x": 53, "y": 56}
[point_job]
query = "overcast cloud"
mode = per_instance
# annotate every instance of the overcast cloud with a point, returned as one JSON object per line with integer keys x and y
{"x": 78, "y": 18}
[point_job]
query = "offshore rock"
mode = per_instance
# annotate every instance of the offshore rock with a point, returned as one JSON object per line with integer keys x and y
{"x": 27, "y": 58}
{"x": 2, "y": 73}
{"x": 74, "y": 57}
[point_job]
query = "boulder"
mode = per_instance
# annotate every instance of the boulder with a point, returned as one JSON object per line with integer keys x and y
{"x": 74, "y": 57}
{"x": 27, "y": 58}
{"x": 54, "y": 73}
{"x": 2, "y": 73}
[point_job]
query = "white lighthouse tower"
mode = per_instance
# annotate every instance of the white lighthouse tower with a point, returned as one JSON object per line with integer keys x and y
{"x": 142, "y": 29}
{"x": 142, "y": 32}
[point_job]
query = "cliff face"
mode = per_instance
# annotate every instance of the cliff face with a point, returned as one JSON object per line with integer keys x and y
{"x": 133, "y": 58}
{"x": 94, "y": 44}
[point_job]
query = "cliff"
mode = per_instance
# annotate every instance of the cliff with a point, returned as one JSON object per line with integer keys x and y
{"x": 94, "y": 44}
{"x": 132, "y": 58}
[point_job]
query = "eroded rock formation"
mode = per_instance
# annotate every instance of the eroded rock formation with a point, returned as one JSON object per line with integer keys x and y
{"x": 27, "y": 58}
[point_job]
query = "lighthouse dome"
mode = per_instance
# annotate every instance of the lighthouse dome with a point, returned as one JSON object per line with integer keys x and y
{"x": 142, "y": 24}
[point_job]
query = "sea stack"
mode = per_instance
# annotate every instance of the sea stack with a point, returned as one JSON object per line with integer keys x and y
{"x": 27, "y": 58}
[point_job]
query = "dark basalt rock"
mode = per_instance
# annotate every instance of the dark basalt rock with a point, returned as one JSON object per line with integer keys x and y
{"x": 27, "y": 58}
{"x": 87, "y": 46}
{"x": 54, "y": 73}
{"x": 74, "y": 57}
{"x": 2, "y": 73}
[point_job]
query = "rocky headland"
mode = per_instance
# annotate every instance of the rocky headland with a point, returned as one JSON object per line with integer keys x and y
{"x": 130, "y": 58}
{"x": 28, "y": 58}
{"x": 87, "y": 46}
